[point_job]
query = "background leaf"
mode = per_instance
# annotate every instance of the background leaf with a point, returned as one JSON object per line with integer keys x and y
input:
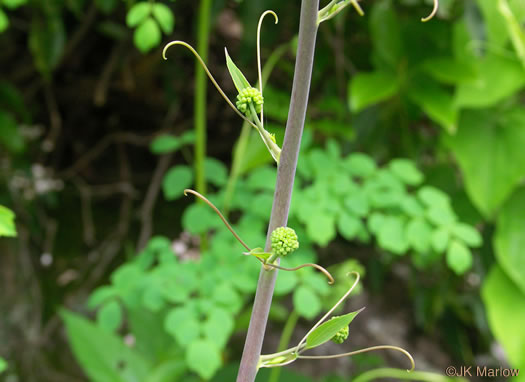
{"x": 204, "y": 358}
{"x": 500, "y": 136}
{"x": 109, "y": 316}
{"x": 47, "y": 39}
{"x": 498, "y": 78}
{"x": 506, "y": 314}
{"x": 509, "y": 241}
{"x": 306, "y": 302}
{"x": 459, "y": 258}
{"x": 4, "y": 21}
{"x": 102, "y": 355}
{"x": 164, "y": 17}
{"x": 370, "y": 88}
{"x": 147, "y": 35}
{"x": 7, "y": 222}
{"x": 176, "y": 180}
{"x": 138, "y": 13}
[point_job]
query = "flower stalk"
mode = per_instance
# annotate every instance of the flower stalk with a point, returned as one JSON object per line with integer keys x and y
{"x": 285, "y": 180}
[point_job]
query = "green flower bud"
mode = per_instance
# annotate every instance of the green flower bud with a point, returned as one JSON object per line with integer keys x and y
{"x": 284, "y": 241}
{"x": 246, "y": 96}
{"x": 341, "y": 335}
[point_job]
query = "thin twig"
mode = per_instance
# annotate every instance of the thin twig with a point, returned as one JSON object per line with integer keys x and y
{"x": 371, "y": 348}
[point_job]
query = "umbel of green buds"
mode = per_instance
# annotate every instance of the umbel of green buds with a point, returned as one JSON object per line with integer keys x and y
{"x": 341, "y": 335}
{"x": 246, "y": 96}
{"x": 284, "y": 241}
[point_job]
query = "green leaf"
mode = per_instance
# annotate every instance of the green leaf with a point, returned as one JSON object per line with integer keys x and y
{"x": 306, "y": 302}
{"x": 375, "y": 221}
{"x": 515, "y": 30}
{"x": 167, "y": 371}
{"x": 11, "y": 99}
{"x": 176, "y": 180}
{"x": 321, "y": 228}
{"x": 406, "y": 171}
{"x": 259, "y": 253}
{"x": 498, "y": 78}
{"x": 449, "y": 70}
{"x": 494, "y": 23}
{"x": 262, "y": 178}
{"x": 357, "y": 203}
{"x": 468, "y": 234}
{"x": 147, "y": 36}
{"x": 4, "y": 21}
{"x": 411, "y": 206}
{"x": 218, "y": 326}
{"x": 440, "y": 239}
{"x": 436, "y": 102}
{"x": 349, "y": 225}
{"x": 10, "y": 136}
{"x": 152, "y": 298}
{"x": 285, "y": 283}
{"x": 215, "y": 171}
{"x": 319, "y": 161}
{"x": 262, "y": 203}
{"x": 138, "y": 13}
{"x": 109, "y": 316}
{"x": 441, "y": 215}
{"x": 509, "y": 240}
{"x": 500, "y": 136}
{"x": 506, "y": 314}
{"x": 165, "y": 144}
{"x": 328, "y": 329}
{"x": 226, "y": 296}
{"x": 418, "y": 234}
{"x": 47, "y": 39}
{"x": 359, "y": 164}
{"x": 432, "y": 196}
{"x": 106, "y": 6}
{"x": 391, "y": 235}
{"x": 238, "y": 78}
{"x": 370, "y": 88}
{"x": 459, "y": 258}
{"x": 199, "y": 218}
{"x": 101, "y": 295}
{"x": 164, "y": 16}
{"x": 386, "y": 35}
{"x": 3, "y": 365}
{"x": 102, "y": 355}
{"x": 7, "y": 222}
{"x": 203, "y": 357}
{"x": 183, "y": 324}
{"x": 13, "y": 4}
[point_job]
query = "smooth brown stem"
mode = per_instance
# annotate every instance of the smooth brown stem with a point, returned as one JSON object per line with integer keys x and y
{"x": 284, "y": 185}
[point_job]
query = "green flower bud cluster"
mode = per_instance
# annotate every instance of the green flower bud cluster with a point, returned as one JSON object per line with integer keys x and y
{"x": 284, "y": 241}
{"x": 341, "y": 335}
{"x": 246, "y": 96}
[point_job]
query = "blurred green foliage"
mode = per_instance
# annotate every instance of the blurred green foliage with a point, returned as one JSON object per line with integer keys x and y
{"x": 412, "y": 155}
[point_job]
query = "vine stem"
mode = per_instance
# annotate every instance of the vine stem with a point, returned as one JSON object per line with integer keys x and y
{"x": 284, "y": 185}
